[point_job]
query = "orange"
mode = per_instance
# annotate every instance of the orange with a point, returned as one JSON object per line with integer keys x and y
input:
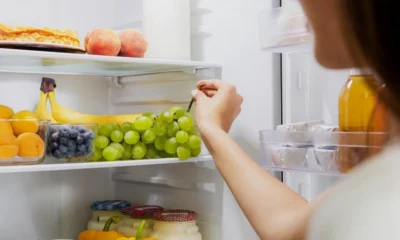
{"x": 8, "y": 146}
{"x": 30, "y": 145}
{"x": 5, "y": 127}
{"x": 6, "y": 112}
{"x": 26, "y": 121}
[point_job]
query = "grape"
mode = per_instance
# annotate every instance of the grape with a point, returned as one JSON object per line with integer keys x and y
{"x": 161, "y": 128}
{"x": 171, "y": 145}
{"x": 186, "y": 123}
{"x": 139, "y": 150}
{"x": 132, "y": 137}
{"x": 143, "y": 123}
{"x": 166, "y": 117}
{"x": 192, "y": 132}
{"x": 126, "y": 127}
{"x": 115, "y": 126}
{"x": 179, "y": 113}
{"x": 173, "y": 110}
{"x": 101, "y": 142}
{"x": 182, "y": 137}
{"x": 149, "y": 136}
{"x": 117, "y": 136}
{"x": 159, "y": 143}
{"x": 194, "y": 142}
{"x": 183, "y": 152}
{"x": 97, "y": 155}
{"x": 110, "y": 153}
{"x": 127, "y": 154}
{"x": 195, "y": 152}
{"x": 119, "y": 147}
{"x": 151, "y": 152}
{"x": 150, "y": 115}
{"x": 106, "y": 130}
{"x": 172, "y": 129}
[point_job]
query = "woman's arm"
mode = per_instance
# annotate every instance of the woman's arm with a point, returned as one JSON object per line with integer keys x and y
{"x": 274, "y": 210}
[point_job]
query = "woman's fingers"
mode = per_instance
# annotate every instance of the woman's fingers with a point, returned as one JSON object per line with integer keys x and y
{"x": 210, "y": 84}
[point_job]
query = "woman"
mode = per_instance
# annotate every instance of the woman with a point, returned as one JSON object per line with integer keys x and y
{"x": 348, "y": 33}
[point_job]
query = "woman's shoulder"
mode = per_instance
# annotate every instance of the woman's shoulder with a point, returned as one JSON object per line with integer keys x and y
{"x": 364, "y": 206}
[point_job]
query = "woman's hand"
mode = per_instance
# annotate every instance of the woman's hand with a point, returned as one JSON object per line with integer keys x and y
{"x": 217, "y": 105}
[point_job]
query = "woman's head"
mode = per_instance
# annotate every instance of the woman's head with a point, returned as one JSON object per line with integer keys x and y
{"x": 359, "y": 33}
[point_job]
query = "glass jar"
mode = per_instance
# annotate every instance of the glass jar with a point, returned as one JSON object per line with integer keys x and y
{"x": 360, "y": 111}
{"x": 103, "y": 210}
{"x": 176, "y": 225}
{"x": 133, "y": 216}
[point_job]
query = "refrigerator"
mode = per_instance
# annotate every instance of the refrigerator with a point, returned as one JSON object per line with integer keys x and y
{"x": 264, "y": 47}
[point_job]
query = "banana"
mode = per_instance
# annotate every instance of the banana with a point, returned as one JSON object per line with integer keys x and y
{"x": 65, "y": 115}
{"x": 41, "y": 109}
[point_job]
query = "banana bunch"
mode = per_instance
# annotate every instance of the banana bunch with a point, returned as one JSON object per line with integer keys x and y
{"x": 60, "y": 114}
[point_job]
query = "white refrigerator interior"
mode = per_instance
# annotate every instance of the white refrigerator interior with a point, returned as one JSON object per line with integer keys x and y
{"x": 41, "y": 204}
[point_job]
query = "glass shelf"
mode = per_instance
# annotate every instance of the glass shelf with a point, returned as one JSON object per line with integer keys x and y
{"x": 41, "y": 62}
{"x": 46, "y": 167}
{"x": 329, "y": 153}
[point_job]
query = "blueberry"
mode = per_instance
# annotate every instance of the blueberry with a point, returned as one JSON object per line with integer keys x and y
{"x": 73, "y": 134}
{"x": 64, "y": 140}
{"x": 69, "y": 155}
{"x": 88, "y": 143}
{"x": 79, "y": 140}
{"x": 57, "y": 154}
{"x": 64, "y": 131}
{"x": 81, "y": 129}
{"x": 82, "y": 148}
{"x": 71, "y": 146}
{"x": 52, "y": 129}
{"x": 55, "y": 136}
{"x": 54, "y": 145}
{"x": 88, "y": 135}
{"x": 63, "y": 149}
{"x": 89, "y": 150}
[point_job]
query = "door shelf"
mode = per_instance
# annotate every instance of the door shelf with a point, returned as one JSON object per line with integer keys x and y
{"x": 45, "y": 167}
{"x": 41, "y": 62}
{"x": 331, "y": 153}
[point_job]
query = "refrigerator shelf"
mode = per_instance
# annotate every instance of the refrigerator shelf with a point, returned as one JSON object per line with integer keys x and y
{"x": 330, "y": 153}
{"x": 284, "y": 29}
{"x": 44, "y": 167}
{"x": 41, "y": 62}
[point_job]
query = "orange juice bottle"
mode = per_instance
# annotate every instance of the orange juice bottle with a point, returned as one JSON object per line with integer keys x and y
{"x": 357, "y": 103}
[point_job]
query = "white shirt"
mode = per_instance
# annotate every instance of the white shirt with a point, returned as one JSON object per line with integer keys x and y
{"x": 366, "y": 206}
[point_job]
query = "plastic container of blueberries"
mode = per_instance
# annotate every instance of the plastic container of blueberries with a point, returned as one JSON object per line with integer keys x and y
{"x": 70, "y": 142}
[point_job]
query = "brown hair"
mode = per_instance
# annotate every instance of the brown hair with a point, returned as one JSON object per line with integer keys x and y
{"x": 370, "y": 27}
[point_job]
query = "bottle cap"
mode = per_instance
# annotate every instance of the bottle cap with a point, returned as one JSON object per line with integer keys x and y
{"x": 110, "y": 205}
{"x": 360, "y": 72}
{"x": 178, "y": 215}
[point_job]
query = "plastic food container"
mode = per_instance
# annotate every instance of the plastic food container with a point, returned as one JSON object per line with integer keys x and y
{"x": 103, "y": 210}
{"x": 22, "y": 141}
{"x": 71, "y": 142}
{"x": 282, "y": 27}
{"x": 325, "y": 152}
{"x": 133, "y": 215}
{"x": 176, "y": 225}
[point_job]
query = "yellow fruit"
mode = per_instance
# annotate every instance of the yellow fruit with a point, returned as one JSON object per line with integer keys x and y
{"x": 8, "y": 146}
{"x": 6, "y": 112}
{"x": 5, "y": 127}
{"x": 41, "y": 110}
{"x": 30, "y": 145}
{"x": 26, "y": 121}
{"x": 65, "y": 115}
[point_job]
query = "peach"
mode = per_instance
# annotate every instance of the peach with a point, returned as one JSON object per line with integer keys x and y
{"x": 102, "y": 42}
{"x": 5, "y": 112}
{"x": 8, "y": 146}
{"x": 5, "y": 127}
{"x": 25, "y": 121}
{"x": 30, "y": 145}
{"x": 133, "y": 43}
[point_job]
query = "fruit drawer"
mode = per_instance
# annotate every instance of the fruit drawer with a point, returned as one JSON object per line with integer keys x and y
{"x": 22, "y": 141}
{"x": 281, "y": 27}
{"x": 319, "y": 152}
